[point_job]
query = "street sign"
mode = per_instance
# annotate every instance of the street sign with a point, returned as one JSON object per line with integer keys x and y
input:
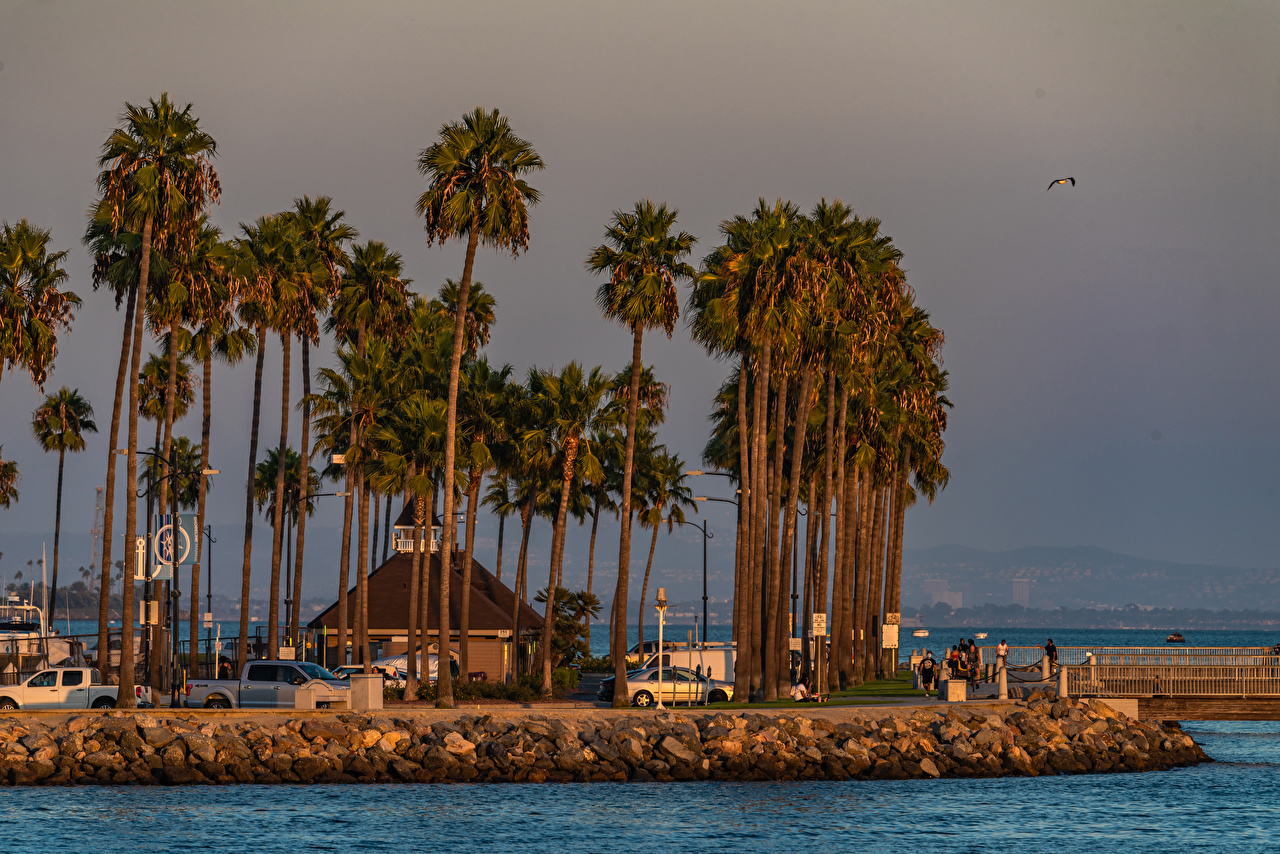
{"x": 175, "y": 539}
{"x": 285, "y": 653}
{"x": 795, "y": 644}
{"x": 889, "y": 636}
{"x": 504, "y": 633}
{"x": 819, "y": 624}
{"x": 208, "y": 619}
{"x": 893, "y": 619}
{"x": 149, "y": 613}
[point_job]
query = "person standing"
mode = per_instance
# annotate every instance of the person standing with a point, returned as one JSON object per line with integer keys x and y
{"x": 1002, "y": 654}
{"x": 975, "y": 663}
{"x": 928, "y": 671}
{"x": 1052, "y": 652}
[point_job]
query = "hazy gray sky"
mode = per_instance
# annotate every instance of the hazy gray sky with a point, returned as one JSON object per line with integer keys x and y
{"x": 1111, "y": 346}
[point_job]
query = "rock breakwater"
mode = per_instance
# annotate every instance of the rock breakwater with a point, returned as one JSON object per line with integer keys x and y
{"x": 1061, "y": 737}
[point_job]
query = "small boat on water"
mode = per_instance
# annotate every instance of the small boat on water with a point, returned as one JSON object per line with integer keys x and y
{"x": 980, "y": 635}
{"x": 920, "y": 633}
{"x": 1176, "y": 637}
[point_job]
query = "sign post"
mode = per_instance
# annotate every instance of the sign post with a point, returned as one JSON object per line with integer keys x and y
{"x": 818, "y": 631}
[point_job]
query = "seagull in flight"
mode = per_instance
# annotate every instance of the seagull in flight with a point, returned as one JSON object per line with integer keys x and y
{"x": 1060, "y": 181}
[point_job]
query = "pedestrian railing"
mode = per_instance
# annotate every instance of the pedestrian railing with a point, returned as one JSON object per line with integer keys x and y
{"x": 1029, "y": 656}
{"x": 1257, "y": 676}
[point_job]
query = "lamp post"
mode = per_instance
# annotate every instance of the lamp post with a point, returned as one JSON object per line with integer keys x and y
{"x": 208, "y": 598}
{"x": 706, "y": 535}
{"x": 661, "y": 604}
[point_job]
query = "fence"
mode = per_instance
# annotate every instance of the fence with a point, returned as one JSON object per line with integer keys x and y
{"x": 1029, "y": 656}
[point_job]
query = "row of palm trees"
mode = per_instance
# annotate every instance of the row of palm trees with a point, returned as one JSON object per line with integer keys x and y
{"x": 829, "y": 352}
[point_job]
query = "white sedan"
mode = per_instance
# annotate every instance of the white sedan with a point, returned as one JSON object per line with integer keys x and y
{"x": 679, "y": 685}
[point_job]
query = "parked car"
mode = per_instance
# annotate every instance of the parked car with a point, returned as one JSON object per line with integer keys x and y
{"x": 67, "y": 688}
{"x": 268, "y": 685}
{"x": 679, "y": 685}
{"x": 390, "y": 675}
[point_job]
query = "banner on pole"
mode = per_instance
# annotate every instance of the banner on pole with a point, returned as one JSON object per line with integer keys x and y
{"x": 175, "y": 539}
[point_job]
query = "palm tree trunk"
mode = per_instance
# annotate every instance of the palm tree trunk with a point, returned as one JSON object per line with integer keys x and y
{"x": 108, "y": 514}
{"x": 875, "y": 605}
{"x": 277, "y": 535}
{"x": 362, "y": 580}
{"x": 57, "y": 535}
{"x": 820, "y": 589}
{"x": 841, "y": 618}
{"x": 759, "y": 514}
{"x": 416, "y": 590}
{"x": 464, "y": 615}
{"x": 206, "y": 422}
{"x": 170, "y": 393}
{"x": 591, "y": 564}
{"x": 526, "y": 523}
{"x": 344, "y": 565}
{"x": 377, "y": 519}
{"x": 742, "y": 548}
{"x": 386, "y": 532}
{"x": 246, "y": 569}
{"x": 295, "y": 630}
{"x": 782, "y": 646}
{"x": 444, "y": 693}
{"x": 126, "y": 696}
{"x": 855, "y": 574}
{"x": 644, "y": 595}
{"x": 895, "y": 589}
{"x": 557, "y": 551}
{"x": 870, "y": 495}
{"x": 776, "y": 561}
{"x": 620, "y": 700}
{"x": 816, "y": 517}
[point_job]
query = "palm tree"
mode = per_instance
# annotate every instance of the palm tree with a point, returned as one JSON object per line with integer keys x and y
{"x": 477, "y": 189}
{"x": 9, "y": 478}
{"x": 294, "y": 499}
{"x": 373, "y": 297}
{"x": 644, "y": 261}
{"x": 412, "y": 442}
{"x": 156, "y": 180}
{"x": 665, "y": 501}
{"x": 326, "y": 234}
{"x": 32, "y": 305}
{"x": 570, "y": 405}
{"x": 483, "y": 404}
{"x": 187, "y": 482}
{"x": 501, "y": 500}
{"x": 59, "y": 424}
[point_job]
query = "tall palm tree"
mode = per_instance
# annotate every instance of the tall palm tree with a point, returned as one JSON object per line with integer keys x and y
{"x": 373, "y": 297}
{"x": 476, "y": 188}
{"x": 665, "y": 501}
{"x": 482, "y": 406}
{"x": 323, "y": 230}
{"x": 59, "y": 424}
{"x": 33, "y": 306}
{"x": 645, "y": 261}
{"x": 569, "y": 404}
{"x": 9, "y": 478}
{"x": 501, "y": 500}
{"x": 156, "y": 180}
{"x": 116, "y": 264}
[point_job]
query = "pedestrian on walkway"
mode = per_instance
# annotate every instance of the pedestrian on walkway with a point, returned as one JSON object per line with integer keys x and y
{"x": 1051, "y": 652}
{"x": 975, "y": 664}
{"x": 928, "y": 671}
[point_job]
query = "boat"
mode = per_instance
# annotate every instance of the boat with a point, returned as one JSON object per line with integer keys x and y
{"x": 980, "y": 635}
{"x": 22, "y": 634}
{"x": 920, "y": 633}
{"x": 1176, "y": 637}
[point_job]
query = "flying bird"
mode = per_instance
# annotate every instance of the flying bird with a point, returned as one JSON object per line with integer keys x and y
{"x": 1060, "y": 181}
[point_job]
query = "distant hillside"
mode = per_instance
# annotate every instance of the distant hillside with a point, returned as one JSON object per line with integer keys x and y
{"x": 1081, "y": 577}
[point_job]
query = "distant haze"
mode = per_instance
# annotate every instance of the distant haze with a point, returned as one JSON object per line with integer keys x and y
{"x": 1112, "y": 346}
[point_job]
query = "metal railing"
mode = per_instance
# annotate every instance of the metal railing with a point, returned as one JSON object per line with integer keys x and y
{"x": 1256, "y": 676}
{"x": 1029, "y": 656}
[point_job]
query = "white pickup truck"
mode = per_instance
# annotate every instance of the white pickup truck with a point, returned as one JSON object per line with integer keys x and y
{"x": 268, "y": 685}
{"x": 66, "y": 688}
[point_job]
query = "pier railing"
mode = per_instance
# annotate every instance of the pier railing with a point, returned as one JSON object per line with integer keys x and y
{"x": 1150, "y": 671}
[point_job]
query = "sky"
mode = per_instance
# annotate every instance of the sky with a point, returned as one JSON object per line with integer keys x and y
{"x": 1110, "y": 346}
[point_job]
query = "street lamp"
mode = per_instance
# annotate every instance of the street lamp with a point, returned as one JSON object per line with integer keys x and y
{"x": 706, "y": 535}
{"x": 661, "y": 604}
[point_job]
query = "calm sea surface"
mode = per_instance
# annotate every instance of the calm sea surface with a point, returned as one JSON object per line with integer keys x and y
{"x": 1230, "y": 805}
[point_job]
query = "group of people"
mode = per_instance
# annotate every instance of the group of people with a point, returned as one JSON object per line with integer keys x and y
{"x": 963, "y": 661}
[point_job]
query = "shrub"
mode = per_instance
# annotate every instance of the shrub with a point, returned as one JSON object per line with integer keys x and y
{"x": 464, "y": 691}
{"x": 392, "y": 692}
{"x": 564, "y": 679}
{"x": 596, "y": 665}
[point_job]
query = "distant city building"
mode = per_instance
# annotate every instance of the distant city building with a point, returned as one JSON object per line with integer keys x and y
{"x": 1022, "y": 592}
{"x": 938, "y": 592}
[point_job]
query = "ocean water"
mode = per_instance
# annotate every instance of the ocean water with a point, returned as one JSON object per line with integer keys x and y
{"x": 1229, "y": 805}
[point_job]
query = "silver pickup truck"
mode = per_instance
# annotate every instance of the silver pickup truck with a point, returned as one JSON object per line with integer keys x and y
{"x": 66, "y": 688}
{"x": 268, "y": 685}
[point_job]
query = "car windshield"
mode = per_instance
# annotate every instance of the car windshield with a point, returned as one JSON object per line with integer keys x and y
{"x": 314, "y": 671}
